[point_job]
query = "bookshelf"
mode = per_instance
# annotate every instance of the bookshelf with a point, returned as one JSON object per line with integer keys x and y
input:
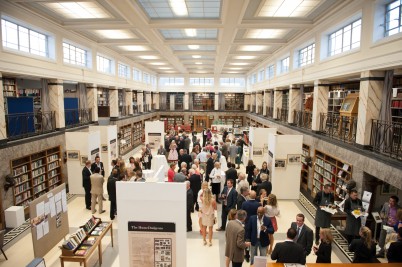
{"x": 330, "y": 170}
{"x": 304, "y": 173}
{"x": 236, "y": 121}
{"x": 337, "y": 93}
{"x": 103, "y": 97}
{"x": 137, "y": 133}
{"x": 203, "y": 101}
{"x": 396, "y": 105}
{"x": 35, "y": 175}
{"x": 285, "y": 100}
{"x": 126, "y": 139}
{"x": 173, "y": 120}
{"x": 11, "y": 89}
{"x": 234, "y": 101}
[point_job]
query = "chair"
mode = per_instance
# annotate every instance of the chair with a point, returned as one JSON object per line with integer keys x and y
{"x": 2, "y": 242}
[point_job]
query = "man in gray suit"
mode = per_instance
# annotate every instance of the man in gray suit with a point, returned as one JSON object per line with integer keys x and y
{"x": 97, "y": 191}
{"x": 304, "y": 235}
{"x": 235, "y": 241}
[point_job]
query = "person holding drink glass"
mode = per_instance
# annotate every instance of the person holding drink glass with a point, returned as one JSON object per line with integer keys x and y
{"x": 353, "y": 206}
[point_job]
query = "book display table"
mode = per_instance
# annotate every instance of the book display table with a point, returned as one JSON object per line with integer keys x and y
{"x": 82, "y": 251}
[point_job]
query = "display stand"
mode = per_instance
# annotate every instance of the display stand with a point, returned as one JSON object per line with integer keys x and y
{"x": 154, "y": 134}
{"x": 80, "y": 146}
{"x": 348, "y": 112}
{"x": 284, "y": 163}
{"x": 108, "y": 136}
{"x": 49, "y": 220}
{"x": 153, "y": 223}
{"x": 258, "y": 144}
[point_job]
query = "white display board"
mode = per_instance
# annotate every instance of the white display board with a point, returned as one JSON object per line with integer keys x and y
{"x": 258, "y": 150}
{"x": 84, "y": 143}
{"x": 108, "y": 133}
{"x": 155, "y": 134}
{"x": 284, "y": 162}
{"x": 153, "y": 203}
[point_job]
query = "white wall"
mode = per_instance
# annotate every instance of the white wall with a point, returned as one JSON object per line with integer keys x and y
{"x": 153, "y": 202}
{"x": 155, "y": 127}
{"x": 258, "y": 137}
{"x": 286, "y": 181}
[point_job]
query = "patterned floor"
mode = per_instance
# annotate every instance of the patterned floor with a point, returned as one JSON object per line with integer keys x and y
{"x": 14, "y": 233}
{"x": 339, "y": 240}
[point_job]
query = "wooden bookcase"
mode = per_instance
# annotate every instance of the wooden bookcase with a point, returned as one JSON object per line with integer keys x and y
{"x": 304, "y": 173}
{"x": 103, "y": 97}
{"x": 285, "y": 99}
{"x": 137, "y": 133}
{"x": 234, "y": 101}
{"x": 337, "y": 93}
{"x": 330, "y": 170}
{"x": 231, "y": 120}
{"x": 126, "y": 134}
{"x": 35, "y": 175}
{"x": 173, "y": 120}
{"x": 396, "y": 105}
{"x": 11, "y": 89}
{"x": 203, "y": 101}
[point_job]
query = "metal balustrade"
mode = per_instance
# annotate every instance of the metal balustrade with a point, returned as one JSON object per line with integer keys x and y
{"x": 386, "y": 138}
{"x": 24, "y": 125}
{"x": 339, "y": 127}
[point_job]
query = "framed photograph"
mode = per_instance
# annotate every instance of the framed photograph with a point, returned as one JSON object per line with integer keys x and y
{"x": 294, "y": 158}
{"x": 73, "y": 155}
{"x": 280, "y": 163}
{"x": 258, "y": 152}
{"x": 83, "y": 159}
{"x": 104, "y": 148}
{"x": 387, "y": 189}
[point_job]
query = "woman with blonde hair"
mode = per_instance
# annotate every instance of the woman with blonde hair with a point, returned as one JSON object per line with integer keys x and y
{"x": 364, "y": 248}
{"x": 208, "y": 215}
{"x": 204, "y": 186}
{"x": 323, "y": 252}
{"x": 271, "y": 211}
{"x": 122, "y": 171}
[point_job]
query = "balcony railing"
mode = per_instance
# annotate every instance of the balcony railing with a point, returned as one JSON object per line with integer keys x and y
{"x": 302, "y": 119}
{"x": 77, "y": 117}
{"x": 24, "y": 125}
{"x": 386, "y": 138}
{"x": 282, "y": 114}
{"x": 269, "y": 112}
{"x": 339, "y": 127}
{"x": 124, "y": 111}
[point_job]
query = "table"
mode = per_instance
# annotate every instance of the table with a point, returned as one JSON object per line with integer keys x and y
{"x": 98, "y": 244}
{"x": 157, "y": 161}
{"x": 148, "y": 174}
{"x": 14, "y": 216}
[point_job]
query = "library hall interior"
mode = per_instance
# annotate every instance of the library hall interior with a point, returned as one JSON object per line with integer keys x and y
{"x": 202, "y": 133}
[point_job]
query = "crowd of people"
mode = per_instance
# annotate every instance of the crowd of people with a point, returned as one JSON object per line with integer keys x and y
{"x": 246, "y": 200}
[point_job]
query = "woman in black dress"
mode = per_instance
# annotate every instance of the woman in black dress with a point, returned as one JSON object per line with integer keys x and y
{"x": 250, "y": 171}
{"x": 364, "y": 248}
{"x": 264, "y": 168}
{"x": 323, "y": 252}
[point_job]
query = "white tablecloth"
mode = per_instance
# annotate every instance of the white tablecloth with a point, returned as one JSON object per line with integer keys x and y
{"x": 157, "y": 161}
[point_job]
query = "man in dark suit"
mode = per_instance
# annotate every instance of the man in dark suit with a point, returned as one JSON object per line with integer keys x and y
{"x": 257, "y": 230}
{"x": 98, "y": 164}
{"x": 190, "y": 205}
{"x": 111, "y": 190}
{"x": 210, "y": 166}
{"x": 86, "y": 183}
{"x": 235, "y": 242}
{"x": 304, "y": 235}
{"x": 394, "y": 253}
{"x": 242, "y": 197}
{"x": 184, "y": 157}
{"x": 289, "y": 251}
{"x": 195, "y": 185}
{"x": 229, "y": 196}
{"x": 250, "y": 206}
{"x": 265, "y": 184}
{"x": 231, "y": 173}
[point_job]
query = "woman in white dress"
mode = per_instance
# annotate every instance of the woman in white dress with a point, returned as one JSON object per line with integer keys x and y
{"x": 204, "y": 186}
{"x": 271, "y": 211}
{"x": 208, "y": 215}
{"x": 173, "y": 156}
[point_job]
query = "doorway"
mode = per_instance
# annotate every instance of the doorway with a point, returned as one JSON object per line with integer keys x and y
{"x": 200, "y": 122}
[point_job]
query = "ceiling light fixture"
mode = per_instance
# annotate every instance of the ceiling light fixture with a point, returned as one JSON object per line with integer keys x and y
{"x": 266, "y": 33}
{"x": 194, "y": 47}
{"x": 157, "y": 63}
{"x": 133, "y": 47}
{"x": 239, "y": 63}
{"x": 245, "y": 57}
{"x": 78, "y": 10}
{"x": 253, "y": 47}
{"x": 198, "y": 63}
{"x": 115, "y": 34}
{"x": 190, "y": 32}
{"x": 148, "y": 57}
{"x": 196, "y": 56}
{"x": 165, "y": 68}
{"x": 179, "y": 7}
{"x": 235, "y": 68}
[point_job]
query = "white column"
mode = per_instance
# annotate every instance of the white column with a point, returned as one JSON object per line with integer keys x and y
{"x": 370, "y": 96}
{"x": 114, "y": 102}
{"x": 320, "y": 103}
{"x": 3, "y": 128}
{"x": 129, "y": 101}
{"x": 156, "y": 100}
{"x": 294, "y": 102}
{"x": 186, "y": 101}
{"x": 56, "y": 97}
{"x": 172, "y": 99}
{"x": 140, "y": 101}
{"x": 216, "y": 104}
{"x": 92, "y": 99}
{"x": 258, "y": 101}
{"x": 264, "y": 103}
{"x": 246, "y": 101}
{"x": 252, "y": 101}
{"x": 277, "y": 102}
{"x": 148, "y": 100}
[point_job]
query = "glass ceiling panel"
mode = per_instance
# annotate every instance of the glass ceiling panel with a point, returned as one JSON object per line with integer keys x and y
{"x": 196, "y": 34}
{"x": 200, "y": 48}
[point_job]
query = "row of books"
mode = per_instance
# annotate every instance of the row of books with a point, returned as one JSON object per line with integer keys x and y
{"x": 99, "y": 229}
{"x": 90, "y": 224}
{"x": 36, "y": 164}
{"x": 52, "y": 157}
{"x": 39, "y": 179}
{"x": 38, "y": 171}
{"x": 75, "y": 240}
{"x": 396, "y": 104}
{"x": 21, "y": 179}
{"x": 53, "y": 165}
{"x": 20, "y": 170}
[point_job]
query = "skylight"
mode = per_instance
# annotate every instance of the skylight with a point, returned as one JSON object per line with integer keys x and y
{"x": 253, "y": 47}
{"x": 287, "y": 8}
{"x": 266, "y": 33}
{"x": 196, "y": 56}
{"x": 189, "y": 33}
{"x": 149, "y": 57}
{"x": 78, "y": 10}
{"x": 115, "y": 34}
{"x": 134, "y": 47}
{"x": 245, "y": 57}
{"x": 179, "y": 7}
{"x": 193, "y": 47}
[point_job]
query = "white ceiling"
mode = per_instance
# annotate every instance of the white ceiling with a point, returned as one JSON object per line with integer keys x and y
{"x": 187, "y": 36}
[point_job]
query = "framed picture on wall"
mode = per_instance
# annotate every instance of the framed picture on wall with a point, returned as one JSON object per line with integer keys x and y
{"x": 73, "y": 155}
{"x": 387, "y": 189}
{"x": 257, "y": 152}
{"x": 280, "y": 163}
{"x": 83, "y": 159}
{"x": 104, "y": 148}
{"x": 294, "y": 158}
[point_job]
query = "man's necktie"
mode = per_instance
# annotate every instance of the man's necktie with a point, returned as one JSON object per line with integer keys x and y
{"x": 298, "y": 232}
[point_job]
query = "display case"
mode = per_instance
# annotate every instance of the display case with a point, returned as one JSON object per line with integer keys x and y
{"x": 330, "y": 170}
{"x": 350, "y": 105}
{"x": 304, "y": 174}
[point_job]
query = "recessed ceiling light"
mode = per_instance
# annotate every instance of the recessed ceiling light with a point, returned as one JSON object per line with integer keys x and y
{"x": 287, "y": 8}
{"x": 149, "y": 57}
{"x": 266, "y": 33}
{"x": 253, "y": 47}
{"x": 235, "y": 68}
{"x": 239, "y": 63}
{"x": 190, "y": 32}
{"x": 198, "y": 63}
{"x": 78, "y": 10}
{"x": 178, "y": 7}
{"x": 115, "y": 34}
{"x": 233, "y": 72}
{"x": 245, "y": 57}
{"x": 196, "y": 56}
{"x": 133, "y": 47}
{"x": 165, "y": 68}
{"x": 157, "y": 63}
{"x": 193, "y": 47}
